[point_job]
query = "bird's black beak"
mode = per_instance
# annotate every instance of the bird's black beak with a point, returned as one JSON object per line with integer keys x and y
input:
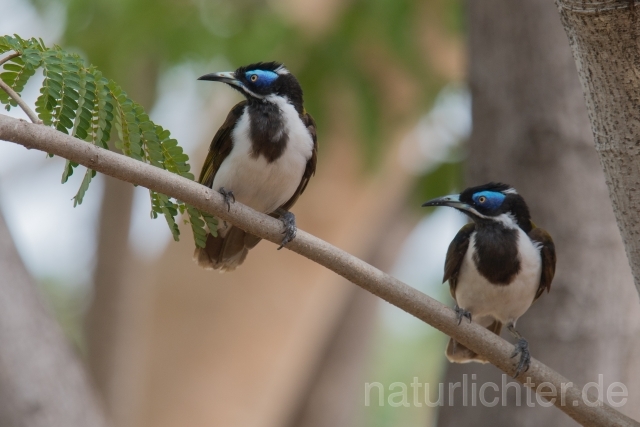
{"x": 452, "y": 200}
{"x": 227, "y": 77}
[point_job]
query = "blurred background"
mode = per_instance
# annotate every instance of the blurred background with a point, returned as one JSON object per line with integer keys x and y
{"x": 282, "y": 342}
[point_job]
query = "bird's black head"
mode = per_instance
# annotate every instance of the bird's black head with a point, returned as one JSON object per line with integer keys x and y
{"x": 493, "y": 202}
{"x": 259, "y": 81}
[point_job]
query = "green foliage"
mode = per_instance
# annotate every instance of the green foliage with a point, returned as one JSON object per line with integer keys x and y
{"x": 363, "y": 38}
{"x": 197, "y": 226}
{"x": 79, "y": 101}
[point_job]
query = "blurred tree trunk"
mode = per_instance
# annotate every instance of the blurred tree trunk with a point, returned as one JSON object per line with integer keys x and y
{"x": 332, "y": 397}
{"x": 104, "y": 320}
{"x": 42, "y": 381}
{"x": 531, "y": 130}
{"x": 110, "y": 325}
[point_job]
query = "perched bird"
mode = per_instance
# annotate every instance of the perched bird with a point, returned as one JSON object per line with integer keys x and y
{"x": 263, "y": 156}
{"x": 497, "y": 265}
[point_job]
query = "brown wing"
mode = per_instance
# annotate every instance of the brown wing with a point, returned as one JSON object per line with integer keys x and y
{"x": 310, "y": 170}
{"x": 548, "y": 255}
{"x": 220, "y": 146}
{"x": 455, "y": 254}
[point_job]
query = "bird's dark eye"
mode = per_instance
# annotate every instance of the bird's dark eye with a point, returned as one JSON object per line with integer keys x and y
{"x": 254, "y": 77}
{"x": 482, "y": 199}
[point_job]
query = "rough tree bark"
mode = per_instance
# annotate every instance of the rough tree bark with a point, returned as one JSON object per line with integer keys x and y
{"x": 604, "y": 41}
{"x": 42, "y": 381}
{"x": 531, "y": 130}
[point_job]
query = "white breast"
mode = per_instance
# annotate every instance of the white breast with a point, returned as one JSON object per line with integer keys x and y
{"x": 255, "y": 182}
{"x": 505, "y": 303}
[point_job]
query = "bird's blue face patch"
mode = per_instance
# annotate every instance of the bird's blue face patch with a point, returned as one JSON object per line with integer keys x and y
{"x": 261, "y": 78}
{"x": 488, "y": 199}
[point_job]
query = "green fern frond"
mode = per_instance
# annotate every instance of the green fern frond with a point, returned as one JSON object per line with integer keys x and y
{"x": 17, "y": 73}
{"x": 76, "y": 99}
{"x": 88, "y": 175}
{"x": 212, "y": 223}
{"x": 175, "y": 160}
{"x": 103, "y": 113}
{"x": 164, "y": 205}
{"x": 197, "y": 226}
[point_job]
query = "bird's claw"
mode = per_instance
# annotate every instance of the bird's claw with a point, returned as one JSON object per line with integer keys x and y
{"x": 460, "y": 313}
{"x": 228, "y": 197}
{"x": 522, "y": 349}
{"x": 290, "y": 229}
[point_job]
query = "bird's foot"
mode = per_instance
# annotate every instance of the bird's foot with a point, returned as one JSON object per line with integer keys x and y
{"x": 228, "y": 197}
{"x": 290, "y": 229}
{"x": 460, "y": 313}
{"x": 522, "y": 349}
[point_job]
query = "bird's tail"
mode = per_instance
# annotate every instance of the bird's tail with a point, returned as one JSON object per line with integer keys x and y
{"x": 225, "y": 252}
{"x": 457, "y": 353}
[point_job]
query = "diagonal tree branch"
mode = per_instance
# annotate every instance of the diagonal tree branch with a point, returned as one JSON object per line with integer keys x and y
{"x": 9, "y": 57}
{"x": 25, "y": 107}
{"x": 477, "y": 338}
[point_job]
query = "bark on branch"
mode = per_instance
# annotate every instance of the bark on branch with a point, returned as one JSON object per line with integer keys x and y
{"x": 604, "y": 41}
{"x": 477, "y": 338}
